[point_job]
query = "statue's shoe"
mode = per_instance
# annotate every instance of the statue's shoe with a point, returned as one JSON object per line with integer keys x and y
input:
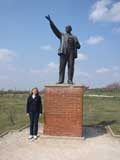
{"x": 59, "y": 82}
{"x": 70, "y": 82}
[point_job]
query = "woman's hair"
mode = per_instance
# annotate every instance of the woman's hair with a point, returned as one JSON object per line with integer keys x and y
{"x": 31, "y": 92}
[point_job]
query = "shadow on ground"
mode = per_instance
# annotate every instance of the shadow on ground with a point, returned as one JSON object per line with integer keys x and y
{"x": 90, "y": 131}
{"x": 93, "y": 131}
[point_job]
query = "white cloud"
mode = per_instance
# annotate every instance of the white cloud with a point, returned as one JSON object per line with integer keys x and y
{"x": 3, "y": 77}
{"x": 35, "y": 70}
{"x": 116, "y": 30}
{"x": 51, "y": 67}
{"x": 11, "y": 67}
{"x": 113, "y": 70}
{"x": 105, "y": 11}
{"x": 103, "y": 70}
{"x": 116, "y": 74}
{"x": 6, "y": 55}
{"x": 46, "y": 47}
{"x": 93, "y": 40}
{"x": 84, "y": 74}
{"x": 82, "y": 56}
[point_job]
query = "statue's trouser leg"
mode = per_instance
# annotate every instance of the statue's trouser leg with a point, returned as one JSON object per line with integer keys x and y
{"x": 71, "y": 62}
{"x": 62, "y": 66}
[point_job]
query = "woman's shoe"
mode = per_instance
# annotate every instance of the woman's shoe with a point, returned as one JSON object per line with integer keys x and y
{"x": 35, "y": 137}
{"x": 30, "y": 137}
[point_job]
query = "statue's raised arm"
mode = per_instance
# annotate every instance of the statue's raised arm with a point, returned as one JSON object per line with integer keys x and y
{"x": 53, "y": 27}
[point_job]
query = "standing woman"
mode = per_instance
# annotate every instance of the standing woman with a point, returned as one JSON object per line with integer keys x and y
{"x": 34, "y": 109}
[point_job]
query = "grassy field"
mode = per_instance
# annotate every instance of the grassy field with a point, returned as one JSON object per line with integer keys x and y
{"x": 97, "y": 110}
{"x": 102, "y": 111}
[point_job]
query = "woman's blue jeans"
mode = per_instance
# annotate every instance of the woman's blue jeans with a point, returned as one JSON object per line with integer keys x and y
{"x": 34, "y": 117}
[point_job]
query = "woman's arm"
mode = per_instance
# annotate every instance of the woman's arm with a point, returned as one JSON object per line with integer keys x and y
{"x": 27, "y": 105}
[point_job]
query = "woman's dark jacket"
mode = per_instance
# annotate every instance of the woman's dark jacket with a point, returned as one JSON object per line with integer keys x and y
{"x": 34, "y": 105}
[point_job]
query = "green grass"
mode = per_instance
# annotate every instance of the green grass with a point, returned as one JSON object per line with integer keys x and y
{"x": 97, "y": 110}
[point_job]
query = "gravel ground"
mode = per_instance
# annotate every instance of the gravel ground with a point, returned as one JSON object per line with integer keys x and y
{"x": 97, "y": 145}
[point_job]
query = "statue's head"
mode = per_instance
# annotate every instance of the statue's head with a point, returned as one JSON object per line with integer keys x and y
{"x": 68, "y": 29}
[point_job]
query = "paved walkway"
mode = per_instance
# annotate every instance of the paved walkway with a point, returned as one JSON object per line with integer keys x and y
{"x": 97, "y": 145}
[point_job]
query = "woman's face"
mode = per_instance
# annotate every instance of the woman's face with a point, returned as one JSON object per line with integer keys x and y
{"x": 35, "y": 91}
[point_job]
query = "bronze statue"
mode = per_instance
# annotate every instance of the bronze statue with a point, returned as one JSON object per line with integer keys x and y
{"x": 67, "y": 50}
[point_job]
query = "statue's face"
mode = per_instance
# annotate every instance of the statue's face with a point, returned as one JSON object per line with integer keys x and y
{"x": 68, "y": 29}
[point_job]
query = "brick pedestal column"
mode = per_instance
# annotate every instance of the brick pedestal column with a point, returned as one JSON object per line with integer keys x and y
{"x": 63, "y": 105}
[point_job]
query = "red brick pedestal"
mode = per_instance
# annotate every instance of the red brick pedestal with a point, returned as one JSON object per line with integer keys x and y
{"x": 63, "y": 106}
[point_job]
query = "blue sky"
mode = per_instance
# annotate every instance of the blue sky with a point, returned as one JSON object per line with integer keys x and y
{"x": 28, "y": 48}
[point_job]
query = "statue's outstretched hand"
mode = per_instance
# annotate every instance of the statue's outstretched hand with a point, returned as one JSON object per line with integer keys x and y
{"x": 48, "y": 18}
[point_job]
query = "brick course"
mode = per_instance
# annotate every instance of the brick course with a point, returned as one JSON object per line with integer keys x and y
{"x": 63, "y": 105}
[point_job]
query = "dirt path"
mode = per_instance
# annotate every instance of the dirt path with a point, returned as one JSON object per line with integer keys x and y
{"x": 97, "y": 95}
{"x": 97, "y": 145}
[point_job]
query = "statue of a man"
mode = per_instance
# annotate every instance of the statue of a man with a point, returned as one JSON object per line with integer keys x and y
{"x": 67, "y": 50}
